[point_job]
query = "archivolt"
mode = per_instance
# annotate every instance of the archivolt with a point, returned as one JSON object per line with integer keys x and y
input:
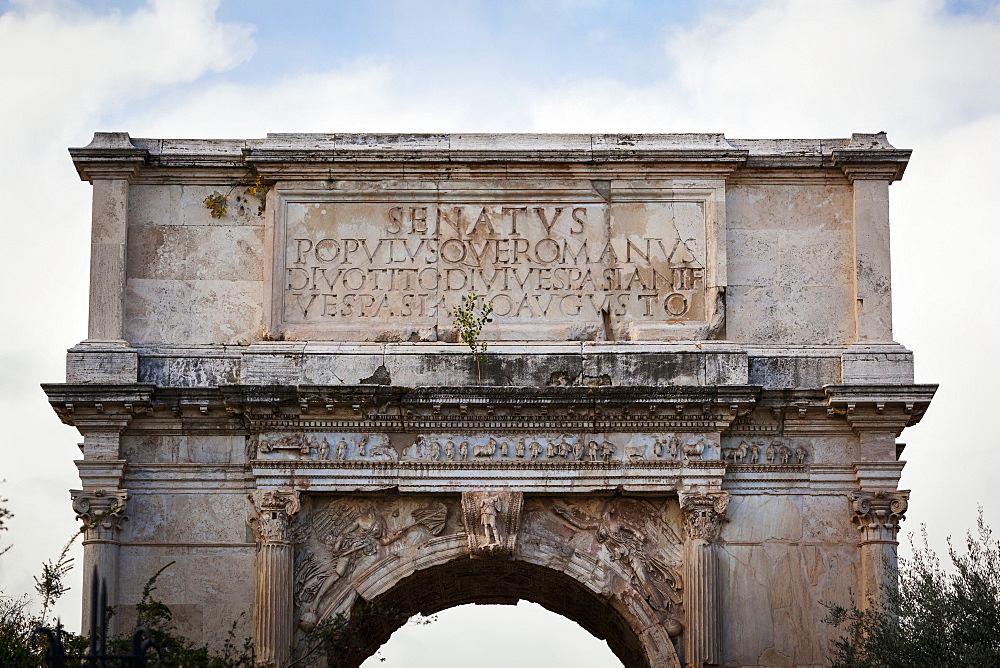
{"x": 441, "y": 575}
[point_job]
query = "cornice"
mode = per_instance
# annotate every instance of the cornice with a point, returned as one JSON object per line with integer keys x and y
{"x": 325, "y": 156}
{"x": 887, "y": 407}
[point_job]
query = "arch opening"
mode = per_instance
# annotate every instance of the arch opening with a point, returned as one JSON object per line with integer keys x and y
{"x": 488, "y": 581}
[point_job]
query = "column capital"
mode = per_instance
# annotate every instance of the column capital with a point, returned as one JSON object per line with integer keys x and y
{"x": 269, "y": 515}
{"x": 704, "y": 512}
{"x": 102, "y": 512}
{"x": 877, "y": 514}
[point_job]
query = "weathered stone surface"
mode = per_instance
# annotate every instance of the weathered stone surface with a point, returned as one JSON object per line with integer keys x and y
{"x": 682, "y": 434}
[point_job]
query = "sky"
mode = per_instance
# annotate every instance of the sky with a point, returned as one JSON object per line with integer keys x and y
{"x": 925, "y": 71}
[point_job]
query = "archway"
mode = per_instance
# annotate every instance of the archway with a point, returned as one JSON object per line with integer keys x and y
{"x": 467, "y": 580}
{"x": 422, "y": 563}
{"x": 525, "y": 635}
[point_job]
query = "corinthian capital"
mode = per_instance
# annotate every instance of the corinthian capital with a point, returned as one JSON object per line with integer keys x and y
{"x": 102, "y": 512}
{"x": 270, "y": 511}
{"x": 704, "y": 513}
{"x": 877, "y": 514}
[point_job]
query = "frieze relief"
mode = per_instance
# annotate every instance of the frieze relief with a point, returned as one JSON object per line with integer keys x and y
{"x": 464, "y": 448}
{"x": 770, "y": 452}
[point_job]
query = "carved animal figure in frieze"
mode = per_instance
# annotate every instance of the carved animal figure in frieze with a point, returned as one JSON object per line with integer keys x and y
{"x": 487, "y": 450}
{"x": 635, "y": 452}
{"x": 694, "y": 447}
{"x": 381, "y": 450}
{"x": 738, "y": 454}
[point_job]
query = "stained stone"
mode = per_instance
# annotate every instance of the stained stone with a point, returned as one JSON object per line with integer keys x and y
{"x": 682, "y": 435}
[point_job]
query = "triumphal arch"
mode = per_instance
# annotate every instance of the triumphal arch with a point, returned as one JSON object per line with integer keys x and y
{"x": 682, "y": 434}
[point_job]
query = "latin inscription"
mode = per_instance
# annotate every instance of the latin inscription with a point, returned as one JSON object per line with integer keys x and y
{"x": 411, "y": 263}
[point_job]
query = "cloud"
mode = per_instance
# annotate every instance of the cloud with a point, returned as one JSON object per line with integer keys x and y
{"x": 64, "y": 68}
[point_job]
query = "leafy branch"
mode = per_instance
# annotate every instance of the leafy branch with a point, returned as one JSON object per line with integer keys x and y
{"x": 469, "y": 317}
{"x": 218, "y": 204}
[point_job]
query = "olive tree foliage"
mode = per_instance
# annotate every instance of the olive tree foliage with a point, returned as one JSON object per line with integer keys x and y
{"x": 938, "y": 616}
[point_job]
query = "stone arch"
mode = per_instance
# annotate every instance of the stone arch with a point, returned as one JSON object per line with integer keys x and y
{"x": 442, "y": 575}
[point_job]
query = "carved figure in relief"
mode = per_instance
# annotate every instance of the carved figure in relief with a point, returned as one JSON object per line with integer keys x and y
{"x": 449, "y": 450}
{"x": 487, "y": 450}
{"x": 342, "y": 449}
{"x": 635, "y": 452}
{"x": 463, "y": 450}
{"x": 772, "y": 451}
{"x": 607, "y": 451}
{"x": 658, "y": 448}
{"x": 535, "y": 449}
{"x": 435, "y": 450}
{"x": 754, "y": 452}
{"x": 784, "y": 454}
{"x": 363, "y": 446}
{"x": 694, "y": 447}
{"x": 520, "y": 448}
{"x": 504, "y": 449}
{"x": 381, "y": 450}
{"x": 489, "y": 508}
{"x": 578, "y": 450}
{"x": 324, "y": 450}
{"x": 738, "y": 454}
{"x": 673, "y": 446}
{"x": 657, "y": 581}
{"x": 592, "y": 450}
{"x": 800, "y": 455}
{"x": 349, "y": 532}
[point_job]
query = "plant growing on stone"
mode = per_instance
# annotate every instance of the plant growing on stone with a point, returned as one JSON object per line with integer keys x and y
{"x": 470, "y": 316}
{"x": 218, "y": 203}
{"x": 936, "y": 617}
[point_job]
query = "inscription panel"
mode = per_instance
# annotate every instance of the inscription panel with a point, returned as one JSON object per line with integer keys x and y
{"x": 393, "y": 270}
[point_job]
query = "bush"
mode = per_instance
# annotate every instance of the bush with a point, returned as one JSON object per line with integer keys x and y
{"x": 937, "y": 617}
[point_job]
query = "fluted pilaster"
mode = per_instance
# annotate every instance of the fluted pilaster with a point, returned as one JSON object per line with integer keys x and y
{"x": 877, "y": 515}
{"x": 273, "y": 626}
{"x": 103, "y": 513}
{"x": 703, "y": 517}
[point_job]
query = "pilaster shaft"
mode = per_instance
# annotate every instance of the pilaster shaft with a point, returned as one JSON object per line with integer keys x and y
{"x": 107, "y": 259}
{"x": 273, "y": 624}
{"x": 704, "y": 514}
{"x": 103, "y": 513}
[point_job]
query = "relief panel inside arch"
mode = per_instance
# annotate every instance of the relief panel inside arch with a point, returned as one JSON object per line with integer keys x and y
{"x": 554, "y": 270}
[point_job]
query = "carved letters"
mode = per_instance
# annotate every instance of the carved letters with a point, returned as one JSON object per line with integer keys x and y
{"x": 411, "y": 263}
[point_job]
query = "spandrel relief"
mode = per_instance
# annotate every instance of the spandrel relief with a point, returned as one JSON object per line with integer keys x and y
{"x": 392, "y": 270}
{"x": 639, "y": 538}
{"x": 337, "y": 538}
